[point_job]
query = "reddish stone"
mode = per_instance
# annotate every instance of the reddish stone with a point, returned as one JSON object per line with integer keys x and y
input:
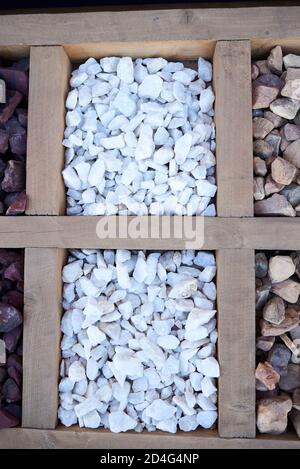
{"x": 8, "y": 420}
{"x": 291, "y": 132}
{"x": 15, "y": 375}
{"x": 15, "y": 271}
{"x": 10, "y": 198}
{"x": 272, "y": 414}
{"x": 3, "y": 141}
{"x": 265, "y": 343}
{"x": 18, "y": 206}
{"x": 10, "y": 317}
{"x": 17, "y": 136}
{"x": 266, "y": 374}
{"x": 6, "y": 110}
{"x": 10, "y": 390}
{"x": 262, "y": 96}
{"x": 12, "y": 338}
{"x": 15, "y": 79}
{"x": 14, "y": 298}
{"x": 14, "y": 177}
{"x": 22, "y": 115}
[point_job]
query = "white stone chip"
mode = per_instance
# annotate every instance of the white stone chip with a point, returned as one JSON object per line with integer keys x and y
{"x": 72, "y": 272}
{"x": 206, "y": 419}
{"x": 160, "y": 410}
{"x": 92, "y": 419}
{"x": 120, "y": 422}
{"x": 210, "y": 367}
{"x": 150, "y": 87}
{"x": 76, "y": 371}
{"x": 184, "y": 289}
{"x": 168, "y": 425}
{"x": 168, "y": 342}
{"x": 145, "y": 146}
{"x": 204, "y": 69}
{"x": 125, "y": 69}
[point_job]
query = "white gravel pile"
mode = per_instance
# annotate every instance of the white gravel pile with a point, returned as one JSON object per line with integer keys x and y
{"x": 140, "y": 138}
{"x": 139, "y": 340}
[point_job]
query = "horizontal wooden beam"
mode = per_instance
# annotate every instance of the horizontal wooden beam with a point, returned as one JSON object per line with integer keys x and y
{"x": 101, "y": 439}
{"x": 84, "y": 232}
{"x": 159, "y": 25}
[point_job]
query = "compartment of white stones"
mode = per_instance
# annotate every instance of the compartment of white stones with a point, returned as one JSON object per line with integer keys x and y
{"x": 139, "y": 340}
{"x": 140, "y": 138}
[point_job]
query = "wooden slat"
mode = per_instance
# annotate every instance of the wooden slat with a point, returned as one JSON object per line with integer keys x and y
{"x": 41, "y": 356}
{"x": 236, "y": 344}
{"x": 232, "y": 84}
{"x": 176, "y": 50}
{"x": 80, "y": 232}
{"x": 95, "y": 439}
{"x": 49, "y": 74}
{"x": 161, "y": 25}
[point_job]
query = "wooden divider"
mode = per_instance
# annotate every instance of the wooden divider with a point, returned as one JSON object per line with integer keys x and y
{"x": 236, "y": 344}
{"x": 152, "y": 24}
{"x": 81, "y": 232}
{"x": 41, "y": 349}
{"x": 49, "y": 75}
{"x": 74, "y": 437}
{"x": 235, "y": 267}
{"x": 233, "y": 118}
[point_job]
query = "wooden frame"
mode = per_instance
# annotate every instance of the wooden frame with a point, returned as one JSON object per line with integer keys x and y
{"x": 229, "y": 36}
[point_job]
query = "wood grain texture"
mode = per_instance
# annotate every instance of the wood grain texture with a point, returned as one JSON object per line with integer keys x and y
{"x": 261, "y": 47}
{"x": 236, "y": 343}
{"x": 100, "y": 439}
{"x": 80, "y": 232}
{"x": 49, "y": 75}
{"x": 172, "y": 50}
{"x": 148, "y": 25}
{"x": 233, "y": 118}
{"x": 41, "y": 351}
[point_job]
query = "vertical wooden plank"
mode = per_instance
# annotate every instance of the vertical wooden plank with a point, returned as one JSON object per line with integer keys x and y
{"x": 49, "y": 74}
{"x": 233, "y": 106}
{"x": 236, "y": 345}
{"x": 42, "y": 312}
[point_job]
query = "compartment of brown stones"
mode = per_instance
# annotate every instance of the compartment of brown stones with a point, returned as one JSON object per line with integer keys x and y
{"x": 276, "y": 134}
{"x": 14, "y": 79}
{"x": 278, "y": 341}
{"x": 11, "y": 329}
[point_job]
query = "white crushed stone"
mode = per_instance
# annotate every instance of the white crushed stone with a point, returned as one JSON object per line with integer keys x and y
{"x": 140, "y": 138}
{"x": 140, "y": 355}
